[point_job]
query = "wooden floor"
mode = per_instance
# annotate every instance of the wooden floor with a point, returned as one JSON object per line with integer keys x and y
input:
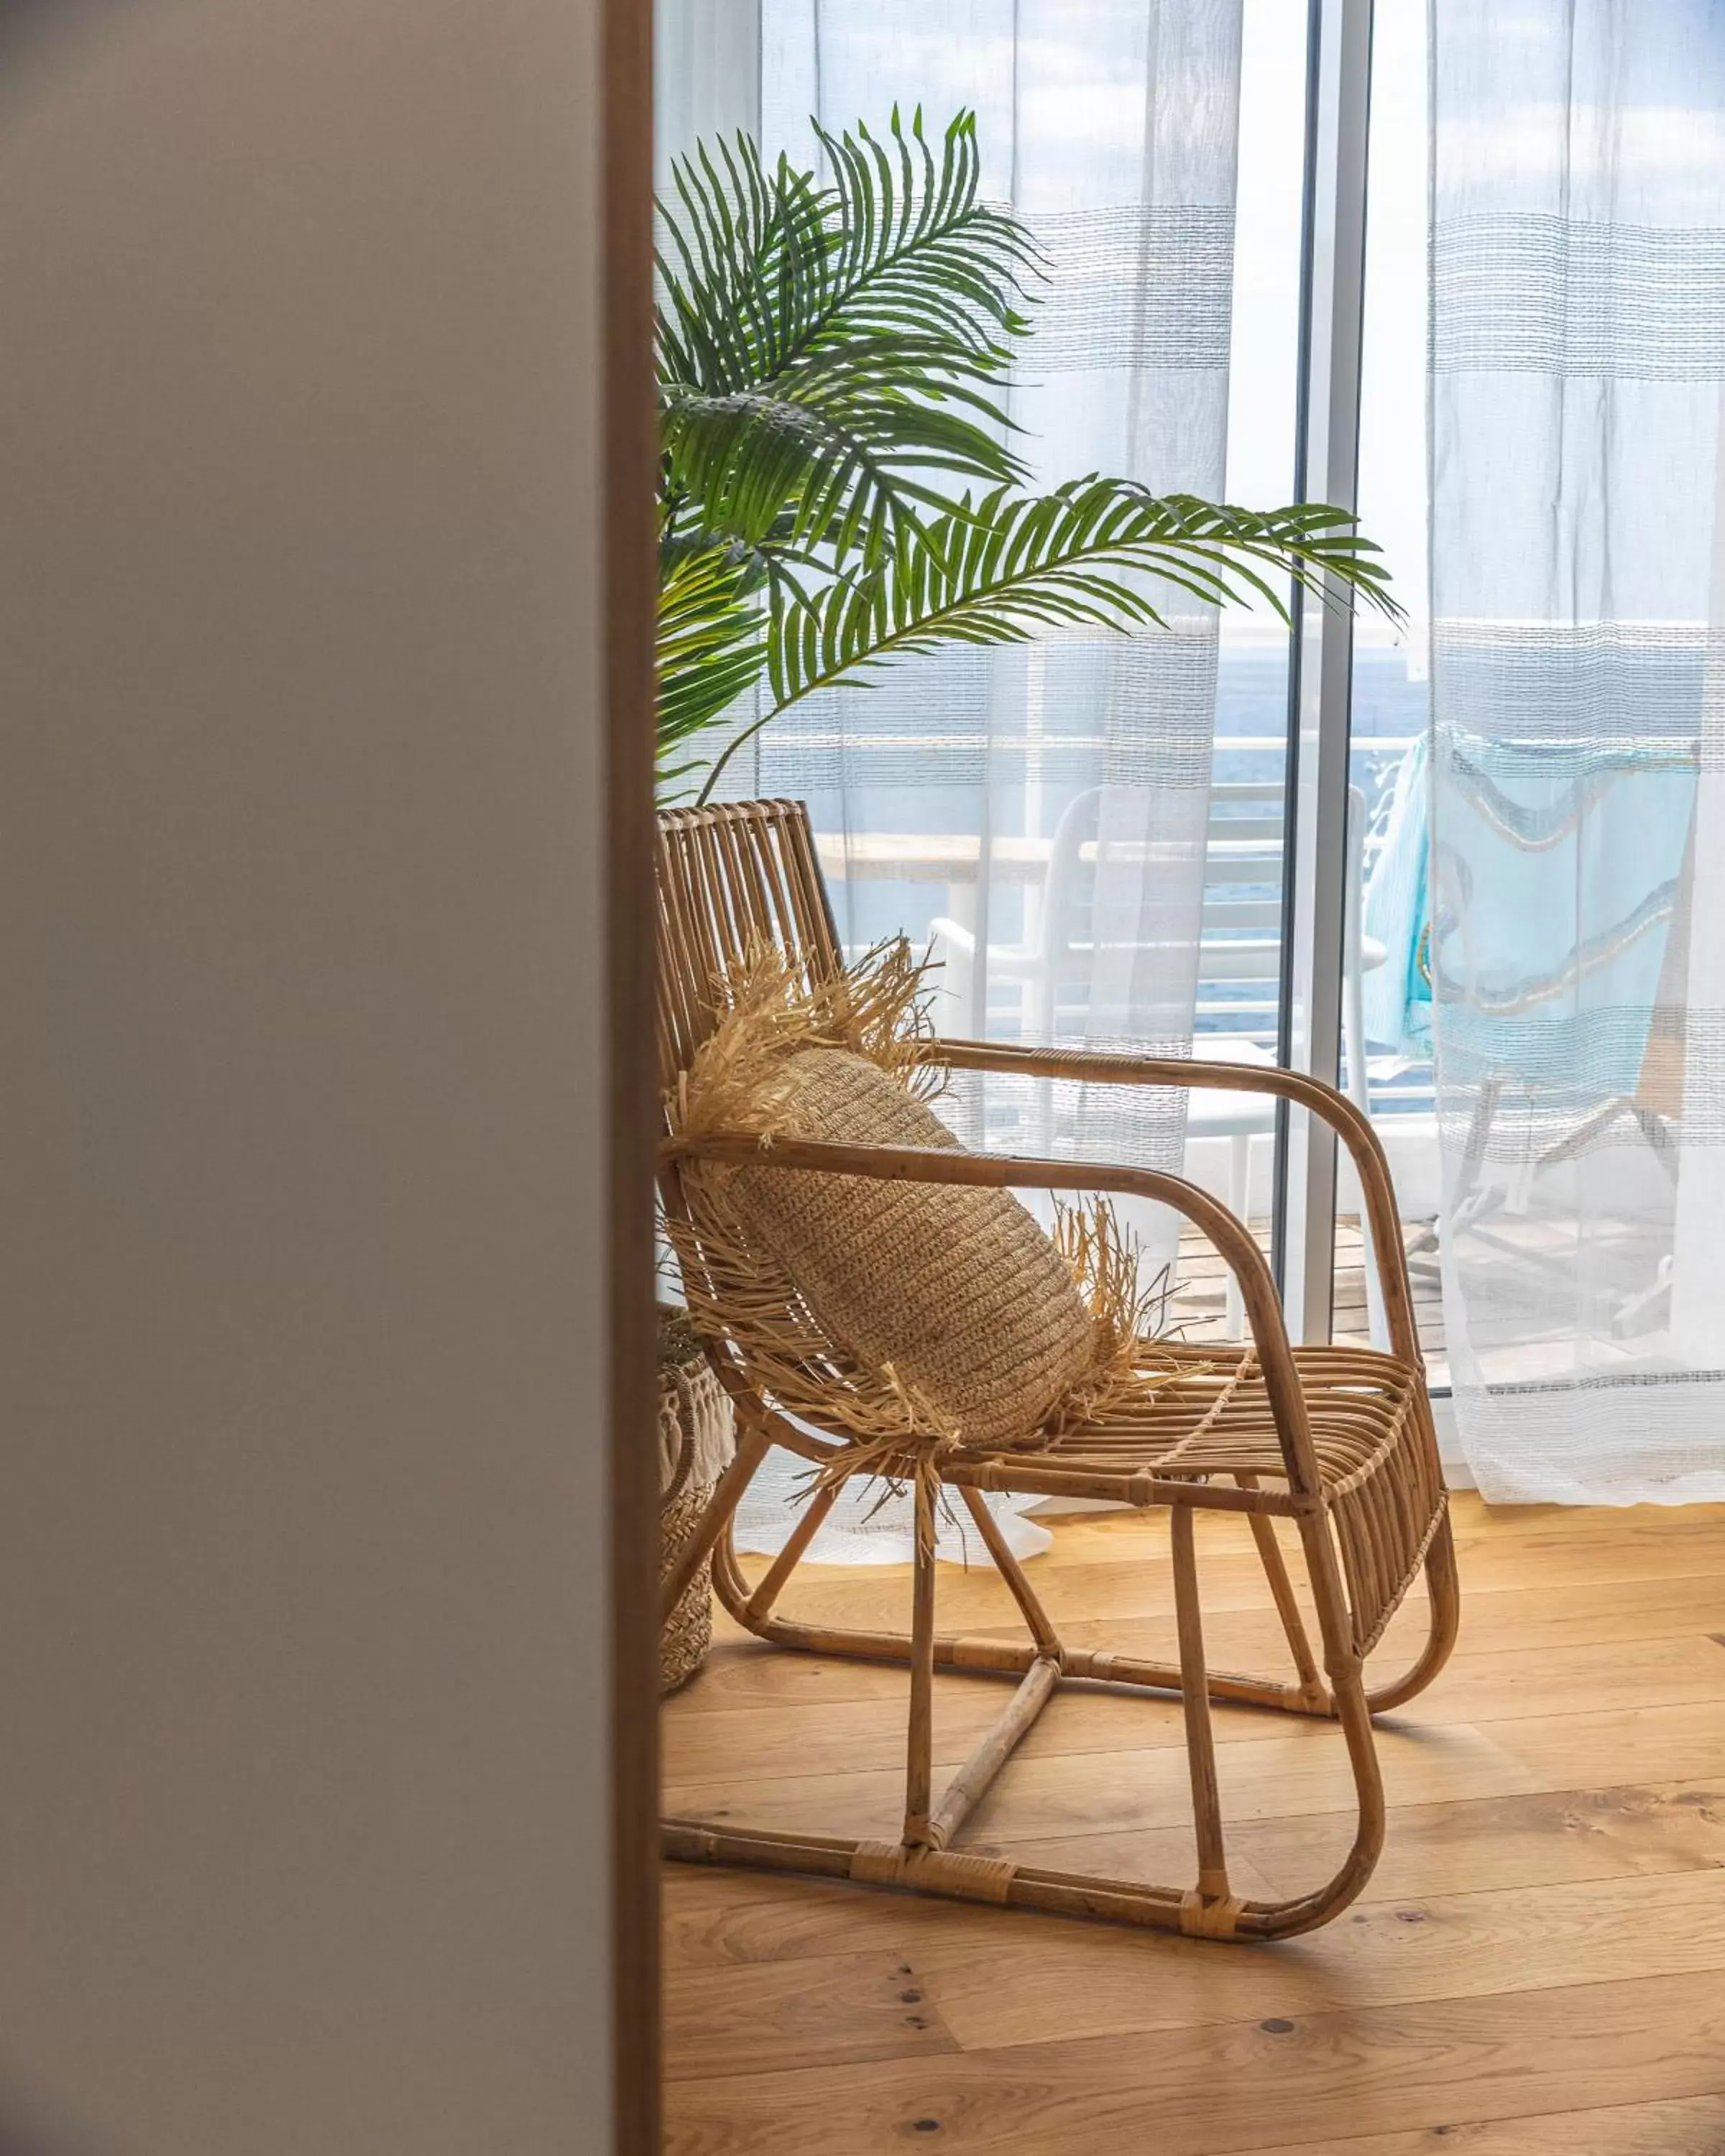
{"x": 1537, "y": 1967}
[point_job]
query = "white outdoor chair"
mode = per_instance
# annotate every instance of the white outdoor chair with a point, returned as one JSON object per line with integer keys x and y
{"x": 1240, "y": 947}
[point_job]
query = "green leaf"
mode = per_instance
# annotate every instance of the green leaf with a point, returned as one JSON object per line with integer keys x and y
{"x": 831, "y": 356}
{"x": 711, "y": 645}
{"x": 833, "y": 470}
{"x": 1088, "y": 556}
{"x": 763, "y": 269}
{"x": 838, "y": 485}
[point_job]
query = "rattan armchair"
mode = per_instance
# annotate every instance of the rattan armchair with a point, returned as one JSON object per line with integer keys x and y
{"x": 1339, "y": 1440}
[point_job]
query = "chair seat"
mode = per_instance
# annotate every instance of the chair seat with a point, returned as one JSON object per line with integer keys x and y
{"x": 1214, "y": 1417}
{"x": 1375, "y": 1455}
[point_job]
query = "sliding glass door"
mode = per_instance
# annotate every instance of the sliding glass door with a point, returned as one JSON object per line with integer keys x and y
{"x": 1231, "y": 1140}
{"x": 1386, "y": 1045}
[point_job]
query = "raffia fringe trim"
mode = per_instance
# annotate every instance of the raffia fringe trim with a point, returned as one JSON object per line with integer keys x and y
{"x": 739, "y": 1296}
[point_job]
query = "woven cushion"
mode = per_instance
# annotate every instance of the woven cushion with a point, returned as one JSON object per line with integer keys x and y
{"x": 957, "y": 1288}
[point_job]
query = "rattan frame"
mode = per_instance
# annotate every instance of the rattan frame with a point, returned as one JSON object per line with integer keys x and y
{"x": 1339, "y": 1442}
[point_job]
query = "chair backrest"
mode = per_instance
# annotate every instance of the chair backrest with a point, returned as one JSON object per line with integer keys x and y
{"x": 1239, "y": 948}
{"x": 732, "y": 878}
{"x": 1066, "y": 895}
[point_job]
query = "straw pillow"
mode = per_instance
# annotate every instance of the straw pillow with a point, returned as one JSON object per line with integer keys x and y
{"x": 955, "y": 1288}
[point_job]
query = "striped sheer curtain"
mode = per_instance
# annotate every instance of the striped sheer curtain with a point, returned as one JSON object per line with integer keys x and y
{"x": 944, "y": 791}
{"x": 944, "y": 794}
{"x": 1577, "y": 946}
{"x": 954, "y": 796}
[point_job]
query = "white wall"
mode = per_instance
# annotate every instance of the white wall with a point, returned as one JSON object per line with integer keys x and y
{"x": 302, "y": 1582}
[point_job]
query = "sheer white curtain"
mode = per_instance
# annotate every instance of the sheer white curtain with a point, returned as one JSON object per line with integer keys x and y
{"x": 1111, "y": 126}
{"x": 1040, "y": 811}
{"x": 1578, "y": 937}
{"x": 706, "y": 75}
{"x": 1071, "y": 777}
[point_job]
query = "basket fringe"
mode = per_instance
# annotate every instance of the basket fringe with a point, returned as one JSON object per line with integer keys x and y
{"x": 740, "y": 1297}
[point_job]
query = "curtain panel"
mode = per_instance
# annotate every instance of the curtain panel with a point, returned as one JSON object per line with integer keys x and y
{"x": 1576, "y": 950}
{"x": 1110, "y": 127}
{"x": 956, "y": 795}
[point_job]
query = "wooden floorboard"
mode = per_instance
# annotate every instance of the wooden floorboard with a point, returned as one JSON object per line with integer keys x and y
{"x": 1230, "y": 2088}
{"x": 937, "y": 1991}
{"x": 1537, "y": 1965}
{"x": 1695, "y": 2127}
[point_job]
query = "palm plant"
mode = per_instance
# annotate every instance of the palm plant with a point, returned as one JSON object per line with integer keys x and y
{"x": 839, "y": 482}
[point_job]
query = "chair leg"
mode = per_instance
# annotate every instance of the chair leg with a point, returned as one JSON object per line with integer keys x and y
{"x": 924, "y": 1856}
{"x": 1036, "y": 1618}
{"x": 1443, "y": 1586}
{"x": 1341, "y": 1666}
{"x": 1287, "y": 1606}
{"x": 919, "y": 1750}
{"x": 1214, "y": 1908}
{"x": 759, "y": 1604}
{"x": 924, "y": 1861}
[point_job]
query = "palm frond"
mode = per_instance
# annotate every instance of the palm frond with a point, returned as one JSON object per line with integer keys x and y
{"x": 735, "y": 249}
{"x": 838, "y": 483}
{"x": 919, "y": 254}
{"x": 764, "y": 268}
{"x": 832, "y": 468}
{"x": 833, "y": 352}
{"x": 1089, "y": 555}
{"x": 711, "y": 645}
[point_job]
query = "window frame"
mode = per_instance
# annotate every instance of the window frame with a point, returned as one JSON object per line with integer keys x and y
{"x": 1338, "y": 94}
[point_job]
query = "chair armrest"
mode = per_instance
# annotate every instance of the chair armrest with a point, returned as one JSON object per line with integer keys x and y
{"x": 951, "y": 956}
{"x": 1234, "y": 1241}
{"x": 1099, "y": 1067}
{"x": 943, "y": 929}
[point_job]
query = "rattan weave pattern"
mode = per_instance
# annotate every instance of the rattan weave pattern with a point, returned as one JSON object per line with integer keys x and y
{"x": 693, "y": 1447}
{"x": 1333, "y": 1447}
{"x": 1385, "y": 1496}
{"x": 958, "y": 1289}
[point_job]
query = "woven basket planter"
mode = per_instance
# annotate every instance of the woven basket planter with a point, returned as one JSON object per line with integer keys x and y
{"x": 694, "y": 1442}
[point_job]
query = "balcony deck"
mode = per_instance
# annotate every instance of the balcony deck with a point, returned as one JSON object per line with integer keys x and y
{"x": 1199, "y": 1294}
